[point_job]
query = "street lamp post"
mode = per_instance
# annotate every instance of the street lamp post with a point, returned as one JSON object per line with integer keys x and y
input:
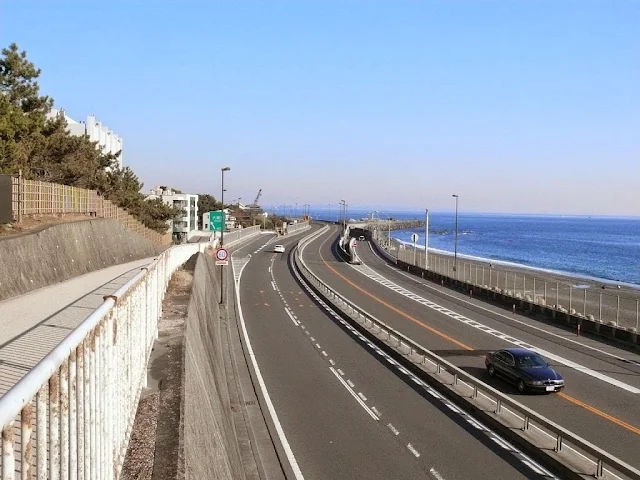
{"x": 455, "y": 244}
{"x": 345, "y": 216}
{"x": 426, "y": 239}
{"x": 224, "y": 225}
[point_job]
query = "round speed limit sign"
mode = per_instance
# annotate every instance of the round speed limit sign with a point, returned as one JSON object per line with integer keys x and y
{"x": 222, "y": 254}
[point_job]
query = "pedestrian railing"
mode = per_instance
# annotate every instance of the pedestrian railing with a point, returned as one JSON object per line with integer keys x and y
{"x": 535, "y": 428}
{"x": 71, "y": 416}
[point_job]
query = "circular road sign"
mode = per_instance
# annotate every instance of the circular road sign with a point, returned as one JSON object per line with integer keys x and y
{"x": 414, "y": 237}
{"x": 221, "y": 254}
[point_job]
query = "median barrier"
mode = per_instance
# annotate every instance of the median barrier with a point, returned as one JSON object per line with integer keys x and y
{"x": 548, "y": 442}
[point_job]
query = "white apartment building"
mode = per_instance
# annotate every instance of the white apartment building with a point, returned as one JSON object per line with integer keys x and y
{"x": 229, "y": 220}
{"x": 183, "y": 224}
{"x": 107, "y": 140}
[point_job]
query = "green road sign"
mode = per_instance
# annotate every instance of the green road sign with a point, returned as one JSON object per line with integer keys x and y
{"x": 216, "y": 221}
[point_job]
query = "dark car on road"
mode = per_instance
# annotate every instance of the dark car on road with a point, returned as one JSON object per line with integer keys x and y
{"x": 526, "y": 369}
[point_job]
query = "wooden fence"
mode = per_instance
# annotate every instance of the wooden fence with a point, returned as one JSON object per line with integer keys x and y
{"x": 33, "y": 197}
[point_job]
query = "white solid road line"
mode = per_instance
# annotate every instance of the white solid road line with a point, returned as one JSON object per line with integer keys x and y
{"x": 272, "y": 411}
{"x": 528, "y": 461}
{"x": 375, "y": 276}
{"x": 353, "y": 394}
{"x": 506, "y": 317}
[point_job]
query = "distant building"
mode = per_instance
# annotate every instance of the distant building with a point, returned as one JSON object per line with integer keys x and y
{"x": 182, "y": 224}
{"x": 107, "y": 140}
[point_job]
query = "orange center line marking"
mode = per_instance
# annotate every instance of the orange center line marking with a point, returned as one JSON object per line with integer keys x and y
{"x": 568, "y": 398}
{"x": 395, "y": 309}
{"x": 600, "y": 413}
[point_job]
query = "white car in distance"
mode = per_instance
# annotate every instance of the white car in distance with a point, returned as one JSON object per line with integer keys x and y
{"x": 278, "y": 249}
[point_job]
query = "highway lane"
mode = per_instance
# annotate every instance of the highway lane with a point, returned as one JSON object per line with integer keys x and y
{"x": 346, "y": 410}
{"x": 323, "y": 423}
{"x": 604, "y": 414}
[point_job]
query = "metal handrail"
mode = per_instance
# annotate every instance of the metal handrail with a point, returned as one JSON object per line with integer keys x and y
{"x": 90, "y": 416}
{"x": 562, "y": 434}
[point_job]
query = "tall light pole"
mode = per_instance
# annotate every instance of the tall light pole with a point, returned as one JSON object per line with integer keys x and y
{"x": 345, "y": 215}
{"x": 426, "y": 239}
{"x": 455, "y": 244}
{"x": 224, "y": 225}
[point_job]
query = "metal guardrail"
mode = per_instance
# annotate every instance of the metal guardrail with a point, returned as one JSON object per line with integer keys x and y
{"x": 594, "y": 303}
{"x": 71, "y": 416}
{"x": 528, "y": 417}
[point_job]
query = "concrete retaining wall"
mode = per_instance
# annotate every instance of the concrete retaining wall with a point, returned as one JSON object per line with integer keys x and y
{"x": 210, "y": 443}
{"x": 64, "y": 251}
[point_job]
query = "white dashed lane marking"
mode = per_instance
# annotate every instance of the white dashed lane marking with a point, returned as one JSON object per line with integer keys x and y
{"x": 413, "y": 450}
{"x": 375, "y": 414}
{"x": 375, "y": 276}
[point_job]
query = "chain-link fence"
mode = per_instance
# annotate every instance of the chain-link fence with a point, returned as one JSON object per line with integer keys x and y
{"x": 596, "y": 302}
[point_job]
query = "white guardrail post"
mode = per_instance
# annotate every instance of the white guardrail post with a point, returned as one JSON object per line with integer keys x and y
{"x": 83, "y": 396}
{"x": 503, "y": 403}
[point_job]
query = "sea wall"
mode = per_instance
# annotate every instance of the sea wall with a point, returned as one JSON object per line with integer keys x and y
{"x": 210, "y": 444}
{"x": 64, "y": 251}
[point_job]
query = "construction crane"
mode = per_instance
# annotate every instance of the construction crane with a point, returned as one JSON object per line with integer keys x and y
{"x": 255, "y": 202}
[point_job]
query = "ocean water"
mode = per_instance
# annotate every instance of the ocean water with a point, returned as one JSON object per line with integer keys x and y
{"x": 600, "y": 247}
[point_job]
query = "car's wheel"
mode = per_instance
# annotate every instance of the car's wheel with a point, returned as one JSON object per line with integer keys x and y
{"x": 491, "y": 369}
{"x": 521, "y": 386}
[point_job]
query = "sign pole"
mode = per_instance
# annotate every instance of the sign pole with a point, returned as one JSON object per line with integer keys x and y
{"x": 222, "y": 170}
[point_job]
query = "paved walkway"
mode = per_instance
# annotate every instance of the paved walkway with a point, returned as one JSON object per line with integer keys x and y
{"x": 32, "y": 324}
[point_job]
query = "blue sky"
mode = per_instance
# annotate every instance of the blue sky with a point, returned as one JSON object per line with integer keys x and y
{"x": 516, "y": 106}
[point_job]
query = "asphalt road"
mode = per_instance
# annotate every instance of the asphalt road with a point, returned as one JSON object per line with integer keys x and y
{"x": 600, "y": 402}
{"x": 347, "y": 410}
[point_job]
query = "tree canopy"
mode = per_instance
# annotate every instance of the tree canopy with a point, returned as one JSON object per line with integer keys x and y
{"x": 33, "y": 141}
{"x": 206, "y": 203}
